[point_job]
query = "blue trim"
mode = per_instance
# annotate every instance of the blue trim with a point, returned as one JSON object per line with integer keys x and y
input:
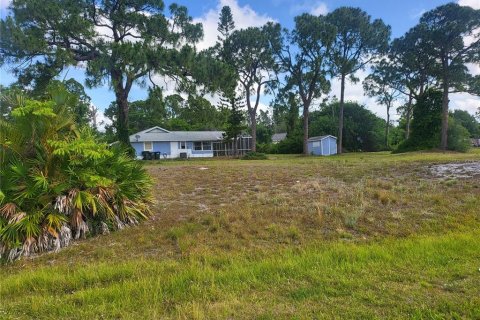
{"x": 202, "y": 151}
{"x": 138, "y": 146}
{"x": 163, "y": 147}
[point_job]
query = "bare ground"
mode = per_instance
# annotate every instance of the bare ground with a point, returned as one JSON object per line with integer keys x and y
{"x": 462, "y": 170}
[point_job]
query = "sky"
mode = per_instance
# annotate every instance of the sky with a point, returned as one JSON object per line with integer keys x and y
{"x": 400, "y": 15}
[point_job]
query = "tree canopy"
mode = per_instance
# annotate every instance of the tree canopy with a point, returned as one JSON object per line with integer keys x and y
{"x": 130, "y": 44}
{"x": 380, "y": 84}
{"x": 303, "y": 55}
{"x": 358, "y": 41}
{"x": 120, "y": 42}
{"x": 253, "y": 60}
{"x": 450, "y": 36}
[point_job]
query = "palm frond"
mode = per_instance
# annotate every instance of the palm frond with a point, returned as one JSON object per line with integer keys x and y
{"x": 60, "y": 183}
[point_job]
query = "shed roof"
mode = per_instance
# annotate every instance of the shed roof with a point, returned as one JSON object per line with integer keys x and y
{"x": 319, "y": 138}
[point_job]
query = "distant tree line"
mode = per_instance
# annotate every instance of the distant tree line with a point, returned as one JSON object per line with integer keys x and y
{"x": 139, "y": 39}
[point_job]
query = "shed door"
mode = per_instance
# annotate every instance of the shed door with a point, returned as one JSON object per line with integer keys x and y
{"x": 325, "y": 147}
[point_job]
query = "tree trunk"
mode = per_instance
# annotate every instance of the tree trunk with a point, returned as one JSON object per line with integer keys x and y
{"x": 306, "y": 106}
{"x": 444, "y": 142}
{"x": 92, "y": 115}
{"x": 387, "y": 128}
{"x": 292, "y": 117}
{"x": 235, "y": 146}
{"x": 409, "y": 115}
{"x": 122, "y": 121}
{"x": 121, "y": 95}
{"x": 340, "y": 115}
{"x": 422, "y": 84}
{"x": 253, "y": 124}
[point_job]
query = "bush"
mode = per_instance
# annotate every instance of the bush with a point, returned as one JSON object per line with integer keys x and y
{"x": 365, "y": 131}
{"x": 410, "y": 145}
{"x": 59, "y": 182}
{"x": 291, "y": 145}
{"x": 255, "y": 156}
{"x": 426, "y": 123}
{"x": 458, "y": 136}
{"x": 264, "y": 147}
{"x": 458, "y": 140}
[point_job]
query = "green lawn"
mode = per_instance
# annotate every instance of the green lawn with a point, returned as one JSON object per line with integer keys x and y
{"x": 353, "y": 236}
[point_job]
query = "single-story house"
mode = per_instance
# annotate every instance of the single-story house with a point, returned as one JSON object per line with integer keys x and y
{"x": 277, "y": 137}
{"x": 322, "y": 145}
{"x": 186, "y": 144}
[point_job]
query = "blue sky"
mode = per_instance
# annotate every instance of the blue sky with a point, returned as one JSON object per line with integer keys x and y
{"x": 400, "y": 15}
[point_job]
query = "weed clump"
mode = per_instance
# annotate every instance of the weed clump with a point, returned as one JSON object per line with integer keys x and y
{"x": 255, "y": 156}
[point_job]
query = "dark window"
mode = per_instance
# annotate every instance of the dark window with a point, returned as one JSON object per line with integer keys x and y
{"x": 197, "y": 146}
{"x": 207, "y": 145}
{"x": 183, "y": 145}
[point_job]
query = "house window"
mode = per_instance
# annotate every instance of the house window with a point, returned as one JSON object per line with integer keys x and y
{"x": 316, "y": 144}
{"x": 207, "y": 145}
{"x": 183, "y": 145}
{"x": 148, "y": 146}
{"x": 197, "y": 146}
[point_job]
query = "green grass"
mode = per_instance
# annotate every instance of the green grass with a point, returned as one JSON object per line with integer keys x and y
{"x": 358, "y": 236}
{"x": 423, "y": 278}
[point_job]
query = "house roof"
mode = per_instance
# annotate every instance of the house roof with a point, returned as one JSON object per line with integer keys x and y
{"x": 279, "y": 136}
{"x": 160, "y": 134}
{"x": 319, "y": 138}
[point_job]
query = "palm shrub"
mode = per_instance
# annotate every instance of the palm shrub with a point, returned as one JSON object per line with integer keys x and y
{"x": 58, "y": 183}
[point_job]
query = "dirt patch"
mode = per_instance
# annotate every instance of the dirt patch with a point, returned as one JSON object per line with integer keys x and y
{"x": 465, "y": 170}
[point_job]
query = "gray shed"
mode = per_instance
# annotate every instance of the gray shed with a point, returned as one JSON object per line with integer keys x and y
{"x": 322, "y": 145}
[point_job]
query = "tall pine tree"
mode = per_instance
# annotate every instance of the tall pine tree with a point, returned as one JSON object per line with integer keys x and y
{"x": 235, "y": 122}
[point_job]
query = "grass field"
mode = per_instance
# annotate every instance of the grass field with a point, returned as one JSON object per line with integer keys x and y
{"x": 357, "y": 236}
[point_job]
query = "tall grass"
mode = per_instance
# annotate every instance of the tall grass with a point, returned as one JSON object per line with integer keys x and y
{"x": 421, "y": 277}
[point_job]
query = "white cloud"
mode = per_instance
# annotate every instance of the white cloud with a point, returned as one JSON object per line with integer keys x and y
{"x": 354, "y": 92}
{"x": 474, "y": 69}
{"x": 244, "y": 17}
{"x": 102, "y": 120}
{"x": 464, "y": 101}
{"x": 475, "y": 4}
{"x": 417, "y": 14}
{"x": 313, "y": 7}
{"x": 319, "y": 9}
{"x": 4, "y": 4}
{"x": 264, "y": 107}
